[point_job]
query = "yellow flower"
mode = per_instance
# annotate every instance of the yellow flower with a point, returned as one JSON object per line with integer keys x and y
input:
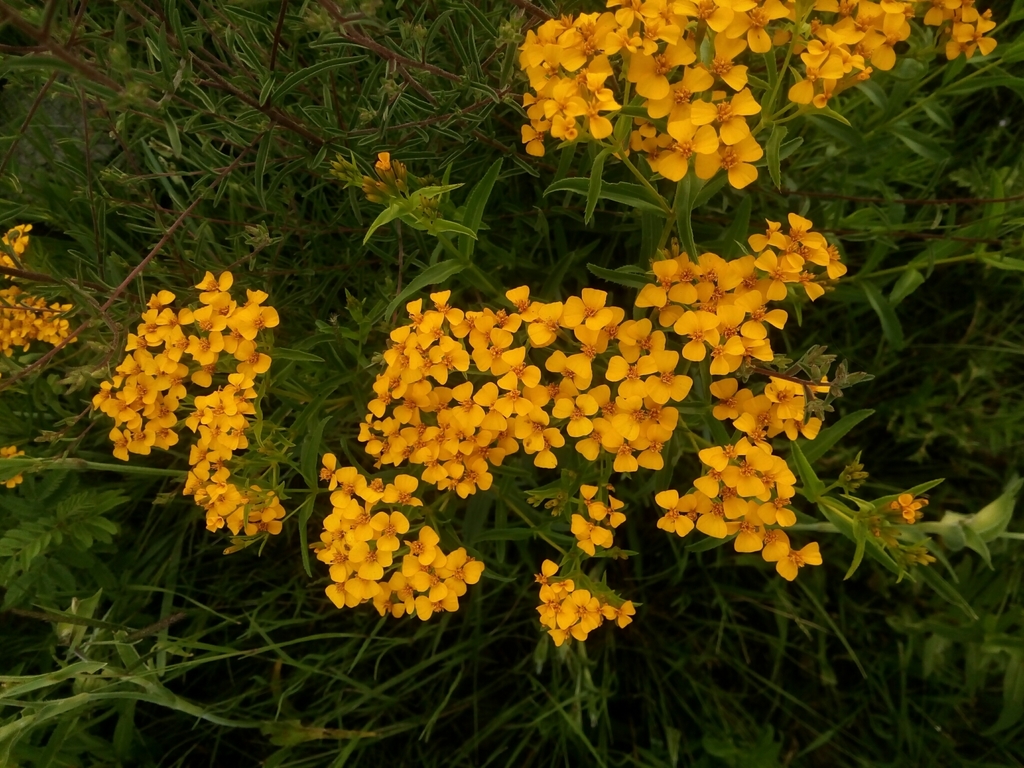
{"x": 726, "y": 49}
{"x": 909, "y": 507}
{"x": 11, "y": 451}
{"x": 677, "y": 518}
{"x": 424, "y": 548}
{"x": 753, "y": 23}
{"x": 700, "y": 327}
{"x": 519, "y": 371}
{"x": 666, "y": 384}
{"x": 590, "y": 535}
{"x": 794, "y": 560}
{"x": 735, "y": 159}
{"x": 588, "y": 308}
{"x": 649, "y": 72}
{"x": 577, "y": 411}
{"x": 622, "y": 615}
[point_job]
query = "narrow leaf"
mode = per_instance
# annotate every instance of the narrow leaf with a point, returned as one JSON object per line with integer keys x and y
{"x": 812, "y": 487}
{"x": 476, "y": 204}
{"x": 630, "y": 277}
{"x": 772, "y": 150}
{"x": 815, "y": 449}
{"x": 891, "y": 327}
{"x": 594, "y": 185}
{"x": 909, "y": 282}
{"x": 430, "y": 276}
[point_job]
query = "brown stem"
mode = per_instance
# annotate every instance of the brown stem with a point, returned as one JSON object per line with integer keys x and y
{"x": 25, "y": 123}
{"x": 44, "y": 359}
{"x": 905, "y": 201}
{"x": 532, "y": 9}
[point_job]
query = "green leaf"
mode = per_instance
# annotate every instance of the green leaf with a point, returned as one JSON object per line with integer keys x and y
{"x": 1013, "y": 694}
{"x": 891, "y": 327}
{"x": 631, "y": 277}
{"x": 304, "y": 512}
{"x": 909, "y": 282}
{"x": 284, "y": 353}
{"x": 772, "y": 150}
{"x": 815, "y": 449}
{"x": 734, "y": 238}
{"x": 789, "y": 147}
{"x": 309, "y": 454}
{"x": 860, "y": 532}
{"x": 831, "y": 113}
{"x": 295, "y": 79}
{"x": 476, "y": 203}
{"x": 633, "y": 195}
{"x": 917, "y": 490}
{"x": 947, "y": 591}
{"x": 430, "y": 276}
{"x": 842, "y": 518}
{"x": 973, "y": 541}
{"x": 999, "y": 261}
{"x": 709, "y": 542}
{"x": 920, "y": 144}
{"x": 444, "y": 225}
{"x": 389, "y": 214}
{"x": 990, "y": 521}
{"x": 812, "y": 487}
{"x": 506, "y": 534}
{"x": 708, "y": 190}
{"x": 173, "y": 136}
{"x": 594, "y": 185}
{"x": 262, "y": 154}
{"x": 686, "y": 191}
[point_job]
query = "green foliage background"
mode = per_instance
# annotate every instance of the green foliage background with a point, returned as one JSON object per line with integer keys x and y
{"x": 118, "y": 117}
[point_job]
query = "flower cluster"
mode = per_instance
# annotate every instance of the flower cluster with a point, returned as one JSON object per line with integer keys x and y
{"x": 360, "y": 546}
{"x": 719, "y": 308}
{"x": 9, "y": 452}
{"x": 595, "y": 527}
{"x": 697, "y": 102}
{"x": 567, "y": 612}
{"x": 25, "y": 318}
{"x": 909, "y": 507}
{"x": 456, "y": 433}
{"x": 173, "y": 346}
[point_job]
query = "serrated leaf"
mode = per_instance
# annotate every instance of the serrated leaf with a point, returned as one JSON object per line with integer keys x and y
{"x": 633, "y": 195}
{"x": 630, "y": 277}
{"x": 284, "y": 353}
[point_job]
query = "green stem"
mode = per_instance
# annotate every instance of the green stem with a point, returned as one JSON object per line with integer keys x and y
{"x": 536, "y": 530}
{"x": 82, "y": 465}
{"x": 936, "y": 263}
{"x": 643, "y": 180}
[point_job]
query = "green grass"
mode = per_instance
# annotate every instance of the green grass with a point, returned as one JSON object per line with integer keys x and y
{"x": 243, "y": 659}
